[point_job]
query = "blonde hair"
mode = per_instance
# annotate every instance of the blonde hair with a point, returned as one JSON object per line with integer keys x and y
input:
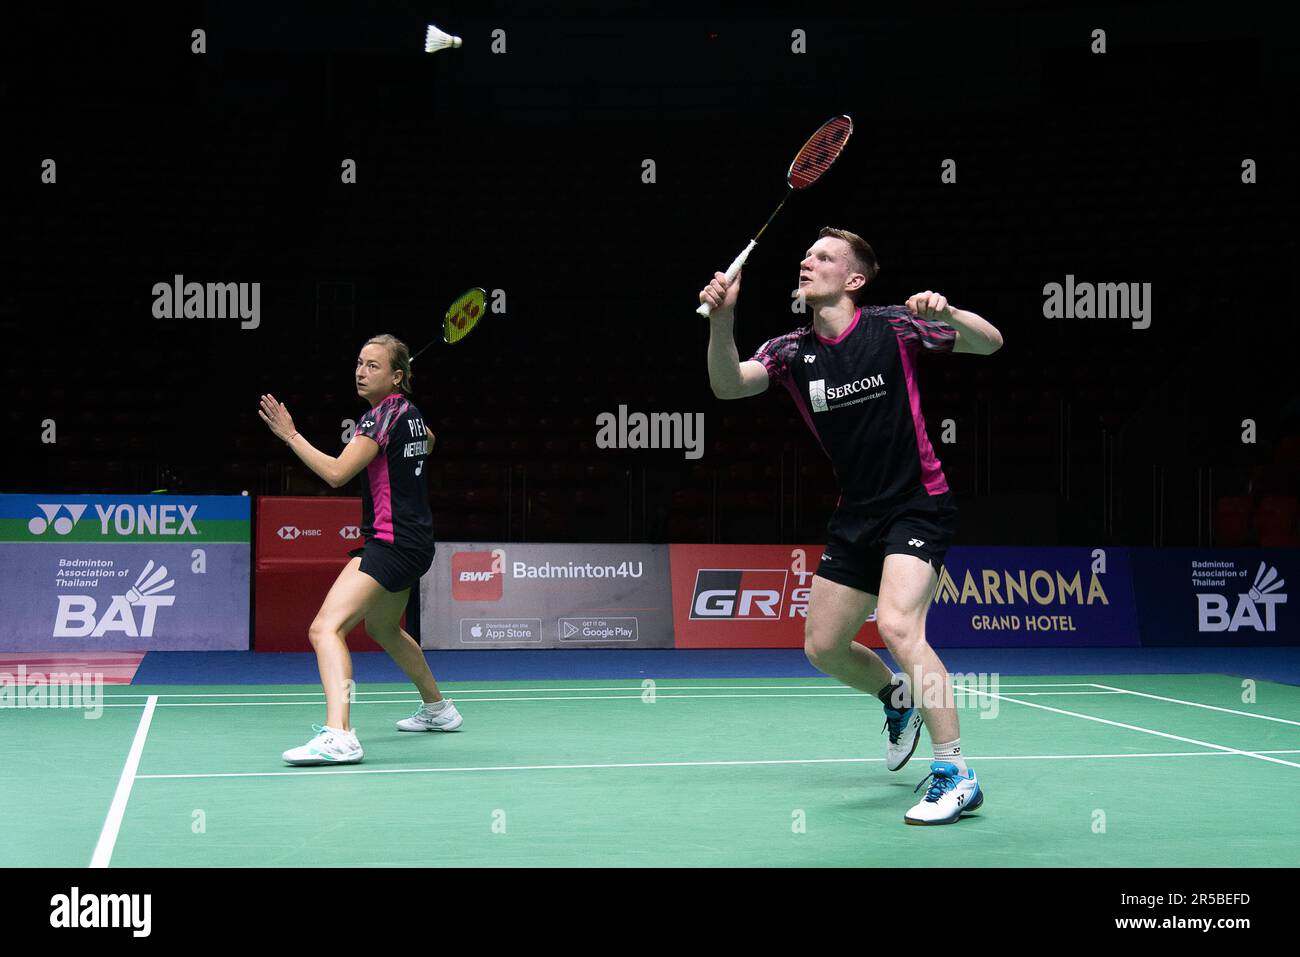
{"x": 862, "y": 252}
{"x": 399, "y": 357}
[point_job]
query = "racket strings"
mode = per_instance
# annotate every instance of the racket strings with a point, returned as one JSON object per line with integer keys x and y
{"x": 820, "y": 152}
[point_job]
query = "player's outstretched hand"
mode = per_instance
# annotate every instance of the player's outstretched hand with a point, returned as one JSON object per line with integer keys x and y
{"x": 930, "y": 306}
{"x": 720, "y": 294}
{"x": 277, "y": 418}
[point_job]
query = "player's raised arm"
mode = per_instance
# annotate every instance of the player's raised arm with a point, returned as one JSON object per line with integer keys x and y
{"x": 728, "y": 376}
{"x": 974, "y": 333}
{"x": 337, "y": 472}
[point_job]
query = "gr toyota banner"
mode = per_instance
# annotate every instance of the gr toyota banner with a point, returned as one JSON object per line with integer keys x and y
{"x": 746, "y": 596}
{"x": 546, "y": 596}
{"x": 140, "y": 573}
{"x": 1222, "y": 597}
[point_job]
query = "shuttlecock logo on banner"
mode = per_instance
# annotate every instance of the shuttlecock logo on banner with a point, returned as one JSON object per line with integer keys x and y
{"x": 1264, "y": 595}
{"x": 78, "y": 618}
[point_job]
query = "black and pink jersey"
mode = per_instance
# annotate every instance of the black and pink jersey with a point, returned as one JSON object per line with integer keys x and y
{"x": 859, "y": 395}
{"x": 394, "y": 498}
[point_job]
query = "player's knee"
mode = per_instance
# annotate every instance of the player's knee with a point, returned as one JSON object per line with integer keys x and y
{"x": 320, "y": 631}
{"x": 820, "y": 649}
{"x": 898, "y": 632}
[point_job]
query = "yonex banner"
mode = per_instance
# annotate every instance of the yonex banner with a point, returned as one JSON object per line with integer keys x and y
{"x": 746, "y": 596}
{"x": 144, "y": 573}
{"x": 546, "y": 596}
{"x": 1033, "y": 597}
{"x": 1221, "y": 597}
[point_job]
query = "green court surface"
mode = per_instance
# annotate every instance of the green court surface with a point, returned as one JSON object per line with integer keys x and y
{"x": 1094, "y": 771}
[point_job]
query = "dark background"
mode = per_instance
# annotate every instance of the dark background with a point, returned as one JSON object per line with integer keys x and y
{"x": 522, "y": 172}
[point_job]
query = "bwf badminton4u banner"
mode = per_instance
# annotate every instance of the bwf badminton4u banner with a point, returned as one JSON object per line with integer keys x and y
{"x": 546, "y": 596}
{"x": 156, "y": 572}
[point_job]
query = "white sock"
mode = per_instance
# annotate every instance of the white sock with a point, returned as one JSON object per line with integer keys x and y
{"x": 951, "y": 752}
{"x": 433, "y": 707}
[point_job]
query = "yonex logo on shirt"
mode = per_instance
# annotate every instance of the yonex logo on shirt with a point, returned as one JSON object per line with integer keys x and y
{"x": 809, "y": 358}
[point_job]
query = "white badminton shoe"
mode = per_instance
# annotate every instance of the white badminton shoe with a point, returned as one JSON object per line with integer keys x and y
{"x": 904, "y": 729}
{"x": 446, "y": 718}
{"x": 330, "y": 746}
{"x": 950, "y": 795}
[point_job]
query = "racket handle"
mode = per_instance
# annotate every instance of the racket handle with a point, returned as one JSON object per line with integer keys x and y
{"x": 705, "y": 309}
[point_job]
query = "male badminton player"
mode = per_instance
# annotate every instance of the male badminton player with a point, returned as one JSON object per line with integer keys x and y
{"x": 851, "y": 373}
{"x": 391, "y": 444}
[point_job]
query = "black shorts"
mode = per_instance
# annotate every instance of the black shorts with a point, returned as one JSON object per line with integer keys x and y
{"x": 397, "y": 569}
{"x": 859, "y": 537}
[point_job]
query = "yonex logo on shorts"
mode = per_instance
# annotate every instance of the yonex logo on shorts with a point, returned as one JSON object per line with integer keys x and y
{"x": 473, "y": 577}
{"x": 746, "y": 594}
{"x": 915, "y": 542}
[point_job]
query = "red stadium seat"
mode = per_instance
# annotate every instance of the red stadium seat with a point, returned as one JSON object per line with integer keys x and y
{"x": 1232, "y": 516}
{"x": 1275, "y": 521}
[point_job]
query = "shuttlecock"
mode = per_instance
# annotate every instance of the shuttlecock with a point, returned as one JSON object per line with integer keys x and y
{"x": 148, "y": 583}
{"x": 1265, "y": 582}
{"x": 435, "y": 40}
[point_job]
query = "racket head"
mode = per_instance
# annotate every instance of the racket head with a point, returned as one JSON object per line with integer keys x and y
{"x": 822, "y": 149}
{"x": 463, "y": 315}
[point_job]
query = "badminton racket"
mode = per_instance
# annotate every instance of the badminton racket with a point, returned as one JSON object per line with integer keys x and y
{"x": 461, "y": 318}
{"x": 810, "y": 164}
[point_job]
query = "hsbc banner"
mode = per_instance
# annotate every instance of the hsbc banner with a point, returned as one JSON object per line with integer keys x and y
{"x": 1001, "y": 597}
{"x": 746, "y": 596}
{"x": 546, "y": 596}
{"x": 142, "y": 573}
{"x": 1220, "y": 597}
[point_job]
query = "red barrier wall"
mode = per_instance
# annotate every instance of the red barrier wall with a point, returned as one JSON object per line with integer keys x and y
{"x": 302, "y": 544}
{"x": 746, "y": 596}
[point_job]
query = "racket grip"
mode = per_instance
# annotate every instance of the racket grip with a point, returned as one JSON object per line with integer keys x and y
{"x": 705, "y": 309}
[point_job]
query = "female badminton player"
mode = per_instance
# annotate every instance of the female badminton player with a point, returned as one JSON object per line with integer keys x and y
{"x": 391, "y": 444}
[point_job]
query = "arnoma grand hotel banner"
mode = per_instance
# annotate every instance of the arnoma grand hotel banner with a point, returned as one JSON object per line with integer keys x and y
{"x": 129, "y": 573}
{"x": 1034, "y": 597}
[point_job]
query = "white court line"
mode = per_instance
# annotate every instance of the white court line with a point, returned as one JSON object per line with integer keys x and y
{"x": 592, "y": 697}
{"x": 286, "y": 694}
{"x": 1132, "y": 727}
{"x": 671, "y": 764}
{"x": 113, "y": 823}
{"x": 1208, "y": 707}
